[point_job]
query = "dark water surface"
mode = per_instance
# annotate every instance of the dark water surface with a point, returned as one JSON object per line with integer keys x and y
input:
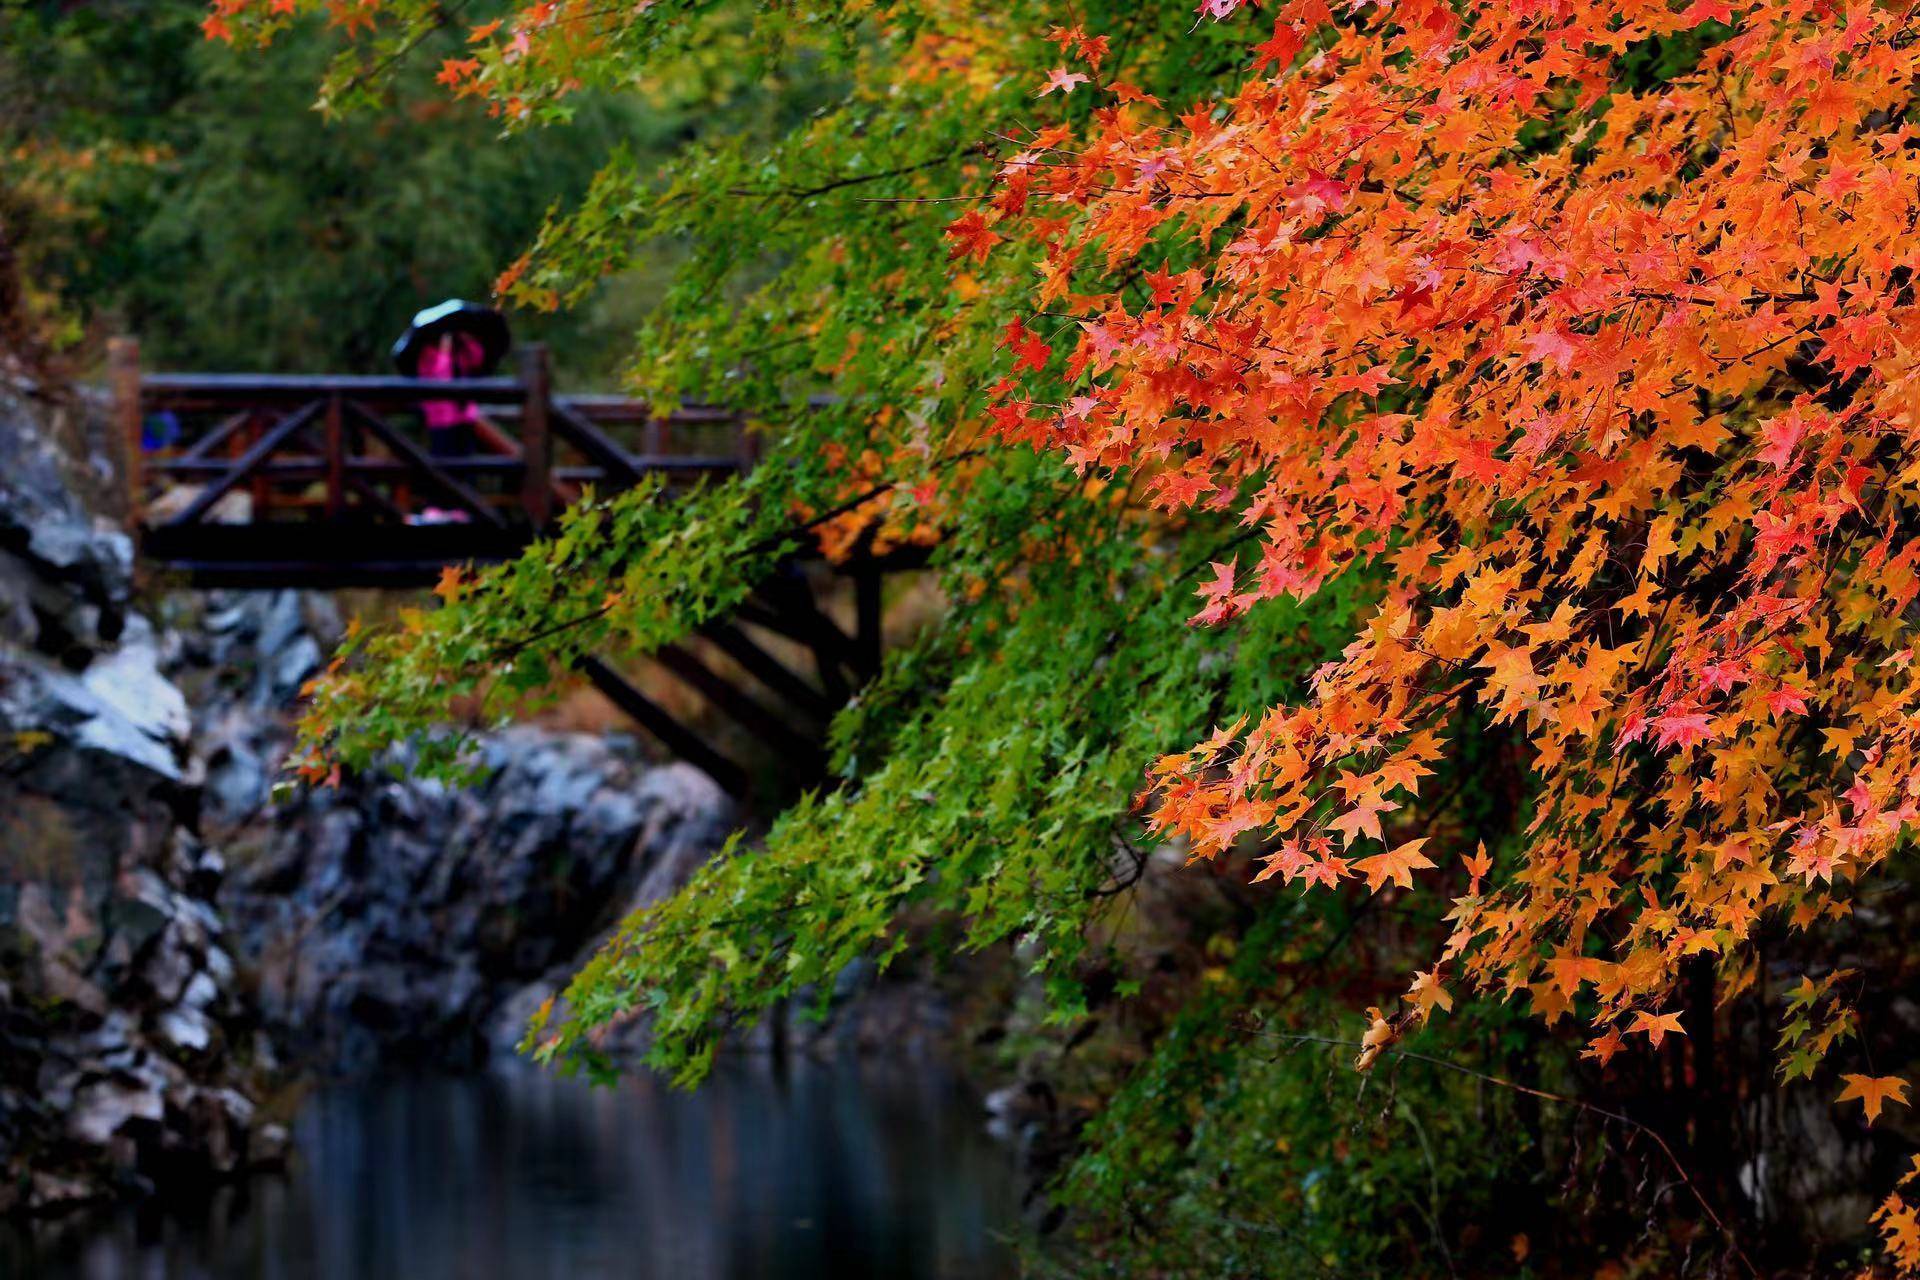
{"x": 819, "y": 1171}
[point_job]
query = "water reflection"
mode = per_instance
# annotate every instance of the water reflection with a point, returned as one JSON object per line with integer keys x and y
{"x": 820, "y": 1171}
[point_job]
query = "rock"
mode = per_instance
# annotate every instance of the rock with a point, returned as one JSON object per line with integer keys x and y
{"x": 128, "y": 682}
{"x": 201, "y": 870}
{"x": 201, "y": 993}
{"x": 35, "y": 698}
{"x": 98, "y": 555}
{"x": 687, "y": 819}
{"x": 854, "y": 977}
{"x": 391, "y": 919}
{"x": 168, "y": 971}
{"x": 187, "y": 1028}
{"x": 260, "y": 647}
{"x": 219, "y": 967}
{"x": 292, "y": 667}
{"x": 237, "y": 780}
{"x": 222, "y": 1121}
{"x": 18, "y": 625}
{"x": 508, "y": 1023}
{"x": 141, "y": 908}
{"x": 101, "y": 1109}
{"x": 1020, "y": 1111}
{"x": 76, "y": 572}
{"x": 277, "y": 622}
{"x": 268, "y": 1146}
{"x": 114, "y": 1011}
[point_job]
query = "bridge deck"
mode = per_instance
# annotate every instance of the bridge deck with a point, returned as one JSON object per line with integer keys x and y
{"x": 324, "y": 481}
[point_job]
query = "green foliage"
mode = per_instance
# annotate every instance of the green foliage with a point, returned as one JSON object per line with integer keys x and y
{"x": 990, "y": 773}
{"x": 188, "y": 192}
{"x": 1001, "y": 802}
{"x": 634, "y": 568}
{"x": 1245, "y": 1147}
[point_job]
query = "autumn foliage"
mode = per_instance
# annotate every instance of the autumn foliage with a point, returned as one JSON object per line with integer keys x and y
{"x": 1579, "y": 341}
{"x": 1617, "y": 378}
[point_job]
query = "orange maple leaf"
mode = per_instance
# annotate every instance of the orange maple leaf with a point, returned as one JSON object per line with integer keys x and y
{"x": 1363, "y": 818}
{"x": 1398, "y": 864}
{"x": 452, "y": 583}
{"x": 1874, "y": 1092}
{"x": 454, "y": 70}
{"x": 972, "y": 237}
{"x": 1656, "y": 1025}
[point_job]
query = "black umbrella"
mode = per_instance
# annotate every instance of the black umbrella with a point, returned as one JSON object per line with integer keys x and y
{"x": 482, "y": 323}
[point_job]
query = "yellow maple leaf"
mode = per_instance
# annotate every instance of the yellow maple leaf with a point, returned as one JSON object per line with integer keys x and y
{"x": 1427, "y": 994}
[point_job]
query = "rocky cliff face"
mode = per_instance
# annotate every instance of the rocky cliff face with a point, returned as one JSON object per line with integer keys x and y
{"x": 388, "y": 919}
{"x": 125, "y": 1050}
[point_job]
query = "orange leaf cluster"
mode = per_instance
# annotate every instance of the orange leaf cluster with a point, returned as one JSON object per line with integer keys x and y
{"x": 1615, "y": 379}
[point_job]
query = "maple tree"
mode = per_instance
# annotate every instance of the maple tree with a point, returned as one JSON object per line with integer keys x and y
{"x": 1615, "y": 379}
{"x": 1537, "y": 374}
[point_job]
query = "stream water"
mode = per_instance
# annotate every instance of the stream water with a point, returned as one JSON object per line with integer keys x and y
{"x": 816, "y": 1171}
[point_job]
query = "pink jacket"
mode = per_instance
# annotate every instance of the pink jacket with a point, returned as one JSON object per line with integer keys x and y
{"x": 442, "y": 362}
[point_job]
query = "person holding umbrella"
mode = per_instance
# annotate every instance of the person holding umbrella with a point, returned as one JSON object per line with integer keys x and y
{"x": 455, "y": 339}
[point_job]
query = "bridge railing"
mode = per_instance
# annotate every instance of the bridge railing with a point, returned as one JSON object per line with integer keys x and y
{"x": 225, "y": 467}
{"x": 278, "y": 481}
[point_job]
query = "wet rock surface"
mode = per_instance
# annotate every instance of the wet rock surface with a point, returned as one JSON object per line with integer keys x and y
{"x": 396, "y": 919}
{"x": 389, "y": 919}
{"x": 65, "y": 573}
{"x": 126, "y": 1052}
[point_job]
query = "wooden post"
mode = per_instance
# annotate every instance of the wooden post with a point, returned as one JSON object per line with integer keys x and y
{"x": 123, "y": 372}
{"x": 867, "y": 620}
{"x": 261, "y": 493}
{"x": 536, "y": 442}
{"x": 335, "y": 435}
{"x": 746, "y": 444}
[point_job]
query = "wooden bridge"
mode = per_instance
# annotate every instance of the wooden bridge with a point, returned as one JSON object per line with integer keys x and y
{"x": 323, "y": 482}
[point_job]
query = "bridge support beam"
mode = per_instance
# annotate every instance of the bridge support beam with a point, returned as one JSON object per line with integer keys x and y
{"x": 867, "y": 584}
{"x": 739, "y": 706}
{"x": 769, "y": 670}
{"x": 679, "y": 739}
{"x": 536, "y": 438}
